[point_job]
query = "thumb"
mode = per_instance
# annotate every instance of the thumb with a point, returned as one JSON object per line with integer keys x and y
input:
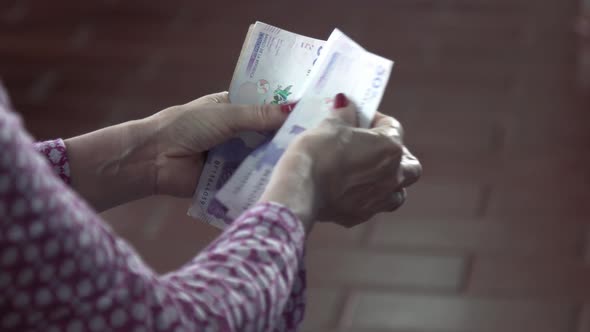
{"x": 218, "y": 98}
{"x": 344, "y": 111}
{"x": 260, "y": 117}
{"x": 214, "y": 98}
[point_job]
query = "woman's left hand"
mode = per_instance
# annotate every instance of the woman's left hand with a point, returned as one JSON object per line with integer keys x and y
{"x": 183, "y": 134}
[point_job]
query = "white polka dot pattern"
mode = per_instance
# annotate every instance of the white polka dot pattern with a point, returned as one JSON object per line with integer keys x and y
{"x": 55, "y": 152}
{"x": 62, "y": 269}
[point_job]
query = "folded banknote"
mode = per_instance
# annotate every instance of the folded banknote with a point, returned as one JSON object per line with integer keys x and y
{"x": 272, "y": 69}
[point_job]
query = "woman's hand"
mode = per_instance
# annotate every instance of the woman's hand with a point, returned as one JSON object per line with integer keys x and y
{"x": 161, "y": 154}
{"x": 337, "y": 172}
{"x": 184, "y": 133}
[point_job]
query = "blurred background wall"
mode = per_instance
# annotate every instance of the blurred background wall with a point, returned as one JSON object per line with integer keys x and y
{"x": 492, "y": 96}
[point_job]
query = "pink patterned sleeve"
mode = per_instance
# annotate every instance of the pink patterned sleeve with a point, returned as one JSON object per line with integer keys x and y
{"x": 63, "y": 269}
{"x": 55, "y": 153}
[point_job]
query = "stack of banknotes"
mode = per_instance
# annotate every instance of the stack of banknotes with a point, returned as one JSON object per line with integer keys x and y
{"x": 276, "y": 67}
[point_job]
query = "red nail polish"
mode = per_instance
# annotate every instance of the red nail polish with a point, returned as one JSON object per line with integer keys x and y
{"x": 288, "y": 108}
{"x": 340, "y": 101}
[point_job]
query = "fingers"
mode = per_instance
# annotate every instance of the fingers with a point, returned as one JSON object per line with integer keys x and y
{"x": 344, "y": 111}
{"x": 379, "y": 165}
{"x": 386, "y": 198}
{"x": 391, "y": 203}
{"x": 388, "y": 126}
{"x": 410, "y": 167}
{"x": 397, "y": 199}
{"x": 386, "y": 193}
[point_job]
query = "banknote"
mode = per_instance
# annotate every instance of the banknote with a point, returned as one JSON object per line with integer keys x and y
{"x": 344, "y": 66}
{"x": 272, "y": 69}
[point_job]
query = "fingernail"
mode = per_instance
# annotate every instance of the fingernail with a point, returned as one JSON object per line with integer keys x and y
{"x": 288, "y": 108}
{"x": 340, "y": 101}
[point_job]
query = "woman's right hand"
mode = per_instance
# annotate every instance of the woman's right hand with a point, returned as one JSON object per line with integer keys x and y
{"x": 345, "y": 174}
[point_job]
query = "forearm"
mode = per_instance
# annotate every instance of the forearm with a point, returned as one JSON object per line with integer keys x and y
{"x": 113, "y": 165}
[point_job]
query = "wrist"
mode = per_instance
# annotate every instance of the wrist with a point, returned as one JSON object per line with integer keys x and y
{"x": 293, "y": 185}
{"x": 113, "y": 165}
{"x": 176, "y": 164}
{"x": 139, "y": 155}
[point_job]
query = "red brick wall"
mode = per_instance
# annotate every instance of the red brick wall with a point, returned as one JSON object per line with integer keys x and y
{"x": 494, "y": 237}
